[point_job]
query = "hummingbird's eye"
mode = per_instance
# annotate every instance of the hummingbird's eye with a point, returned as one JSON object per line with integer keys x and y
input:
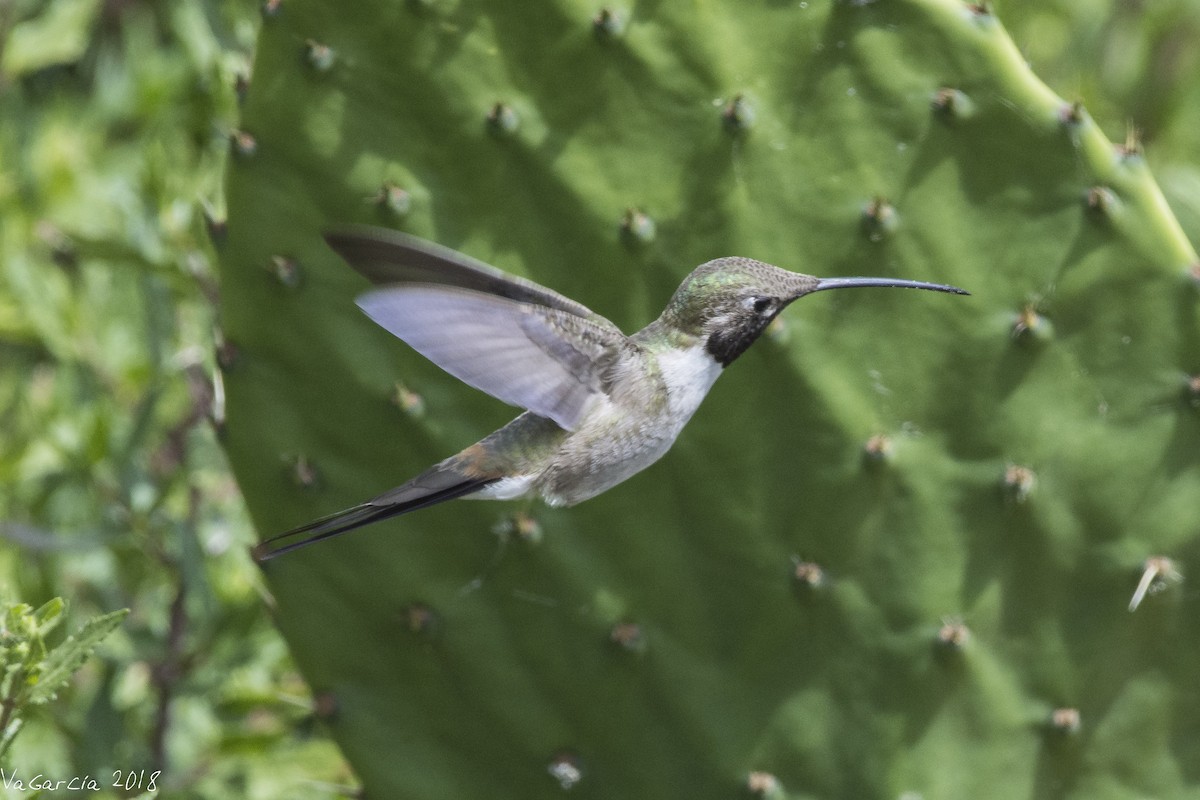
{"x": 763, "y": 304}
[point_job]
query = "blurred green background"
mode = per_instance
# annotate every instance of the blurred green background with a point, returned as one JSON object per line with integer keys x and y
{"x": 115, "y": 117}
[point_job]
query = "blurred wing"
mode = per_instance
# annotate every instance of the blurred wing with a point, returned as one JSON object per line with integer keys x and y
{"x": 387, "y": 257}
{"x": 546, "y": 360}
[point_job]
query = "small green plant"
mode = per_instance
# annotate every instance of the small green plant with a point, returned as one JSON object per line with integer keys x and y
{"x": 33, "y": 672}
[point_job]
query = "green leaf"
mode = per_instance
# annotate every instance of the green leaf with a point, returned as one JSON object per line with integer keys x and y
{"x": 49, "y": 615}
{"x": 14, "y": 620}
{"x": 62, "y": 662}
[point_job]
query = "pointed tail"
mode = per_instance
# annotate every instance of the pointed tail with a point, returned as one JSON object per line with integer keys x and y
{"x": 435, "y": 486}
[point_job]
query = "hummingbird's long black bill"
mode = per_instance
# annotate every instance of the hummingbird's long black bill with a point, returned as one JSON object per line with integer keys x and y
{"x": 852, "y": 283}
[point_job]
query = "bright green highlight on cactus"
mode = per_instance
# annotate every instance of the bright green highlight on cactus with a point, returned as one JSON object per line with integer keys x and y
{"x": 895, "y": 550}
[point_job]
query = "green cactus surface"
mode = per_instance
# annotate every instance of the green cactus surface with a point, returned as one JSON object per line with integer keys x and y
{"x": 912, "y": 545}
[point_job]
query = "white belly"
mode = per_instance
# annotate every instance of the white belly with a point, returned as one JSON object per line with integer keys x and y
{"x": 510, "y": 488}
{"x": 617, "y": 443}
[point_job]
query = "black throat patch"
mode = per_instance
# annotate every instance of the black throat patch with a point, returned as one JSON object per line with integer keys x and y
{"x": 726, "y": 345}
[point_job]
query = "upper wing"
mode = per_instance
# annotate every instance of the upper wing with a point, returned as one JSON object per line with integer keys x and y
{"x": 513, "y": 339}
{"x": 387, "y": 257}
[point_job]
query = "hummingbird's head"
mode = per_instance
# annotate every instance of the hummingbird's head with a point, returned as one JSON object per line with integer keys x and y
{"x": 729, "y": 302}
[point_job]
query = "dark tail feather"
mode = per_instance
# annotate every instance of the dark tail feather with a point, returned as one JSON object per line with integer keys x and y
{"x": 382, "y": 507}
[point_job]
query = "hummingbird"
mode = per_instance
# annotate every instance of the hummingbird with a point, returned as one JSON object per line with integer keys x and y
{"x": 600, "y": 406}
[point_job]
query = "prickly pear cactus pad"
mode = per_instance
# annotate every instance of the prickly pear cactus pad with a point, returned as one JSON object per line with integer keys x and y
{"x": 912, "y": 545}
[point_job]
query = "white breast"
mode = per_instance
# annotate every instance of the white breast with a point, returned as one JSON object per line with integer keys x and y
{"x": 689, "y": 374}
